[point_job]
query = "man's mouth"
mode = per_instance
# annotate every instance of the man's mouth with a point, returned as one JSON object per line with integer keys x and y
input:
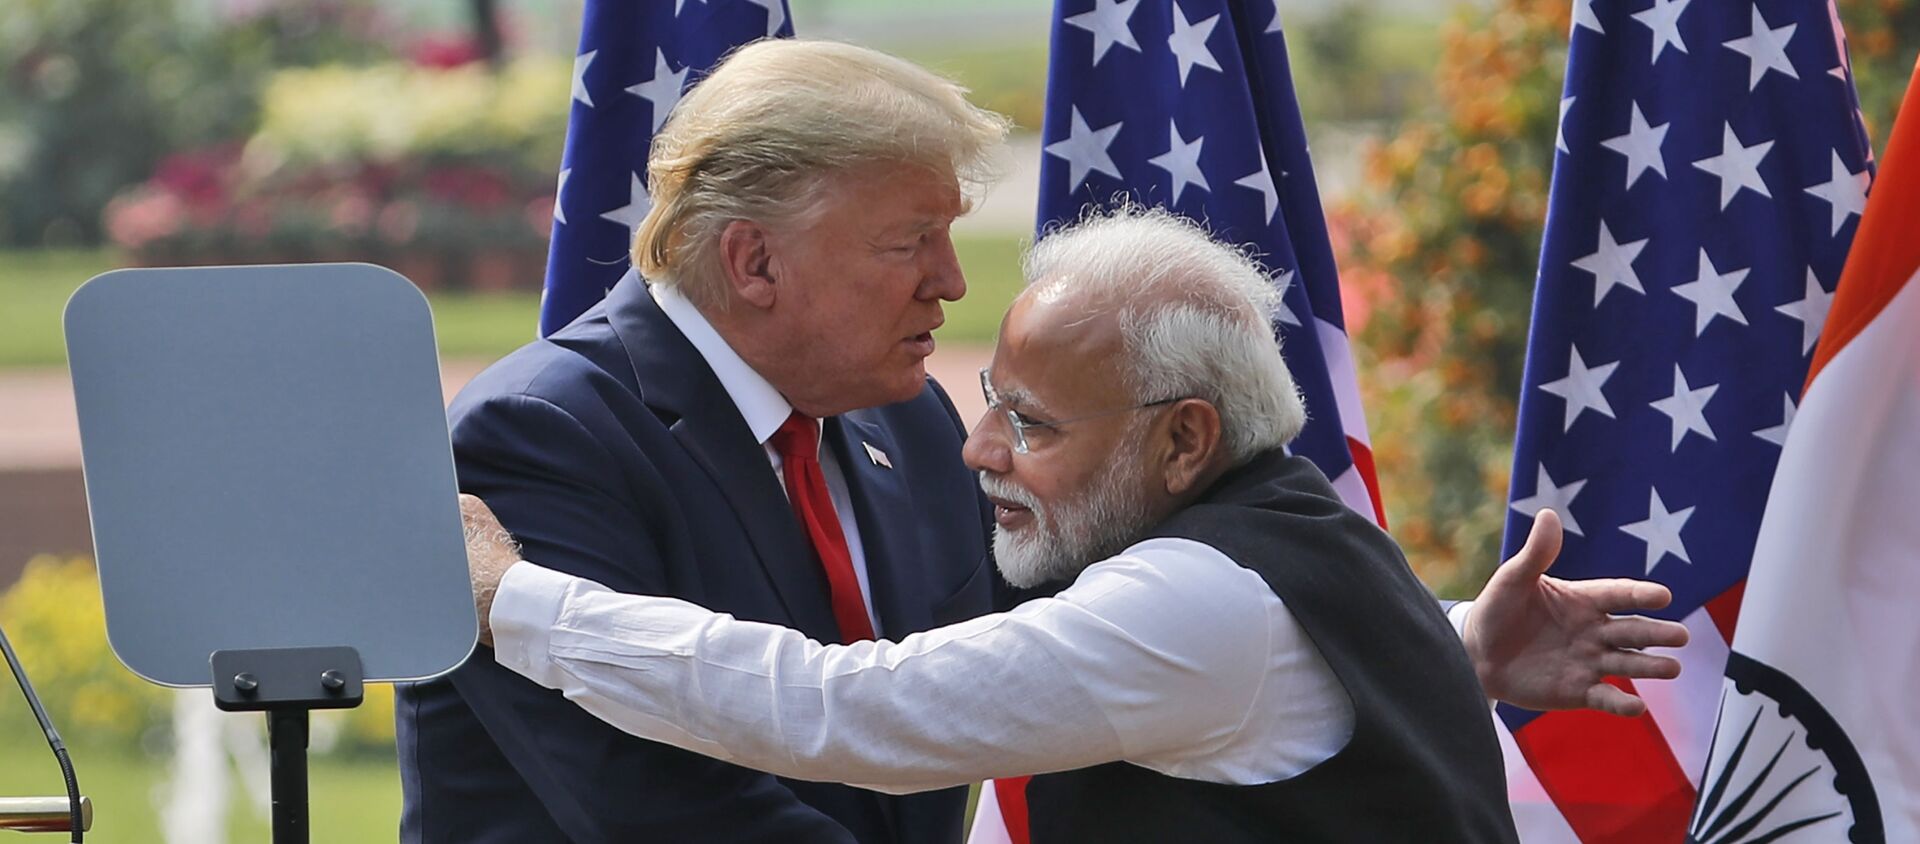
{"x": 1008, "y": 513}
{"x": 920, "y": 344}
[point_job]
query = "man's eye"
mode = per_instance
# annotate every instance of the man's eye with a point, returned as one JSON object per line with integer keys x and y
{"x": 1027, "y": 421}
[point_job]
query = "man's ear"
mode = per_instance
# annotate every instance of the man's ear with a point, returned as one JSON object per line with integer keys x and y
{"x": 1193, "y": 432}
{"x": 746, "y": 262}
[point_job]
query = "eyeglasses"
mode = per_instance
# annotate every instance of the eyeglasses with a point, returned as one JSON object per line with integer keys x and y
{"x": 1021, "y": 425}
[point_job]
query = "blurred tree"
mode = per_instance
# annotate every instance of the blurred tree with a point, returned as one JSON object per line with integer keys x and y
{"x": 1438, "y": 249}
{"x": 94, "y": 92}
{"x": 58, "y": 625}
{"x": 1355, "y": 64}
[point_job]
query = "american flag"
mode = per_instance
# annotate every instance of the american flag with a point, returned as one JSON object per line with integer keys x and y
{"x": 1189, "y": 104}
{"x": 1710, "y": 174}
{"x": 635, "y": 61}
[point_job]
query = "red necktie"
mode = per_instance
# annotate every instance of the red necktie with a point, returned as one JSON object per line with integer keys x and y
{"x": 798, "y": 442}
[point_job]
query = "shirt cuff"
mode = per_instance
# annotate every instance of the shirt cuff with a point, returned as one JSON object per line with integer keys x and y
{"x": 1456, "y": 615}
{"x": 526, "y": 608}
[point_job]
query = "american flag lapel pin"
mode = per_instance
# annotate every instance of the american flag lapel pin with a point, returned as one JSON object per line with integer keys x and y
{"x": 878, "y": 457}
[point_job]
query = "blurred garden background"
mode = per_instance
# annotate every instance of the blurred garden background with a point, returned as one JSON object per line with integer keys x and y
{"x": 426, "y": 136}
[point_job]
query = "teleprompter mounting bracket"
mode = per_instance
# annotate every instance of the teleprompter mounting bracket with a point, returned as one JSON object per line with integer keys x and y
{"x": 258, "y": 679}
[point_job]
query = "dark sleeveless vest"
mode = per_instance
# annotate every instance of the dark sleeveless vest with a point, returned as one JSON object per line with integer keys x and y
{"x": 1423, "y": 764}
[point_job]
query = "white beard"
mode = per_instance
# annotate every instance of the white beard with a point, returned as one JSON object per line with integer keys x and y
{"x": 1068, "y": 536}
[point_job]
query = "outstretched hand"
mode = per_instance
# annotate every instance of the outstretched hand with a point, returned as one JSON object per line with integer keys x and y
{"x": 1540, "y": 642}
{"x": 490, "y": 552}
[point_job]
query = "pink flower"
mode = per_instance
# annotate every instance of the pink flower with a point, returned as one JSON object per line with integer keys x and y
{"x": 141, "y": 216}
{"x": 398, "y": 221}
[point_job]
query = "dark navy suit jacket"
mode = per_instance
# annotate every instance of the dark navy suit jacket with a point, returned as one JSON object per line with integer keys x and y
{"x": 611, "y": 451}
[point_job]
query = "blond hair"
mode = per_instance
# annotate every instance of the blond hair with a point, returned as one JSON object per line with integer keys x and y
{"x": 762, "y": 135}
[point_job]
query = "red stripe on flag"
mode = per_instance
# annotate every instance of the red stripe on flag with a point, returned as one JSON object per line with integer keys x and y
{"x": 1012, "y": 794}
{"x": 1363, "y": 461}
{"x": 1614, "y": 779}
{"x": 1725, "y": 609}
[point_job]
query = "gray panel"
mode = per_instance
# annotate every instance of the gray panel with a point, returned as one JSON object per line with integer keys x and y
{"x": 267, "y": 465}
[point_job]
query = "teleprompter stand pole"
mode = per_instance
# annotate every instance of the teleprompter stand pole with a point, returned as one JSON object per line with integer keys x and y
{"x": 287, "y": 684}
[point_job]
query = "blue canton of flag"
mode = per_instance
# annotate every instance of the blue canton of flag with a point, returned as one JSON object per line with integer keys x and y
{"x": 635, "y": 61}
{"x": 1189, "y": 104}
{"x": 1710, "y": 171}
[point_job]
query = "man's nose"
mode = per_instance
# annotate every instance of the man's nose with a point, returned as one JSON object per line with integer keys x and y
{"x": 941, "y": 277}
{"x": 987, "y": 448}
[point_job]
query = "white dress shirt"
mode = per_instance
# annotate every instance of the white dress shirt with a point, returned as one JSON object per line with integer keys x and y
{"x": 765, "y": 410}
{"x": 1169, "y": 656}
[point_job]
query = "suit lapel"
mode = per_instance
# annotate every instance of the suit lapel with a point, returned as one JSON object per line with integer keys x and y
{"x": 883, "y": 508}
{"x": 676, "y": 381}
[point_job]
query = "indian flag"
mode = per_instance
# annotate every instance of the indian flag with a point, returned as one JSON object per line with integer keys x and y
{"x": 1817, "y": 738}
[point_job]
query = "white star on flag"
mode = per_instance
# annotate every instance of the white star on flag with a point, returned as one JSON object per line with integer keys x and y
{"x": 1274, "y": 25}
{"x": 1189, "y": 43}
{"x": 1810, "y": 310}
{"x": 1283, "y": 281}
{"x": 1559, "y": 499}
{"x": 1583, "y": 16}
{"x": 1612, "y": 263}
{"x": 1765, "y": 49}
{"x": 1182, "y": 162}
{"x": 560, "y": 191}
{"x": 1085, "y": 150}
{"x": 1736, "y": 166}
{"x": 1581, "y": 388}
{"x": 1711, "y": 293}
{"x": 776, "y": 13}
{"x": 1778, "y": 433}
{"x": 663, "y": 89}
{"x": 1661, "y": 531}
{"x": 1687, "y": 408}
{"x": 1560, "y": 127}
{"x": 1641, "y": 145}
{"x": 1109, "y": 24}
{"x": 1261, "y": 181}
{"x": 630, "y": 214}
{"x": 580, "y": 63}
{"x": 1664, "y": 19}
{"x": 1846, "y": 191}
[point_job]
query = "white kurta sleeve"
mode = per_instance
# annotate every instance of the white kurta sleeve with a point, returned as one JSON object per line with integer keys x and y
{"x": 1152, "y": 651}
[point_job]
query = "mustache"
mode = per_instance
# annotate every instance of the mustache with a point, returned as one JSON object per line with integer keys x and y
{"x": 997, "y": 487}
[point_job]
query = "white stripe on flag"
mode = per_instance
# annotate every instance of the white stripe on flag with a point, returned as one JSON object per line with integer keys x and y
{"x": 1534, "y": 815}
{"x": 1353, "y": 492}
{"x": 1346, "y": 381}
{"x": 1687, "y": 707}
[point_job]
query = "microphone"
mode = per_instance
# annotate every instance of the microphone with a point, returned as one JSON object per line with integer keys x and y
{"x": 44, "y": 814}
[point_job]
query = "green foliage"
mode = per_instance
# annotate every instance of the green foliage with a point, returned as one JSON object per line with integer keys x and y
{"x": 57, "y": 624}
{"x": 1883, "y": 38}
{"x": 392, "y": 113}
{"x": 94, "y": 92}
{"x": 1352, "y": 63}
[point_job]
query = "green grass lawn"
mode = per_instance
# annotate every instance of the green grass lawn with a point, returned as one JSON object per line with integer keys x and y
{"x": 35, "y": 284}
{"x": 352, "y": 801}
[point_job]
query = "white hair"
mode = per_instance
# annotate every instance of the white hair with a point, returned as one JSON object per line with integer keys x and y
{"x": 1195, "y": 317}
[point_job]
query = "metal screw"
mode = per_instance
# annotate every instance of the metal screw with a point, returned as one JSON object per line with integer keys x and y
{"x": 332, "y": 680}
{"x": 245, "y": 683}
